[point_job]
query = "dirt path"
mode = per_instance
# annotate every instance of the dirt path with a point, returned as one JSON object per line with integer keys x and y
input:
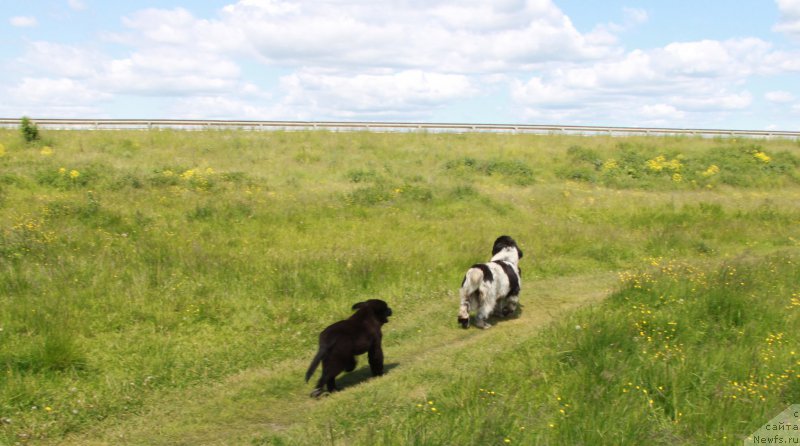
{"x": 255, "y": 402}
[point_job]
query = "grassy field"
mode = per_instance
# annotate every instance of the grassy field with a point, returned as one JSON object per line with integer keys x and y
{"x": 163, "y": 287}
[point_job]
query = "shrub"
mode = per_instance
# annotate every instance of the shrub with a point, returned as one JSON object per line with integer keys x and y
{"x": 29, "y": 130}
{"x": 362, "y": 176}
{"x": 512, "y": 171}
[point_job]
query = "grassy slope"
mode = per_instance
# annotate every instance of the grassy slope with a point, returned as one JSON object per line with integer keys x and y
{"x": 271, "y": 404}
{"x": 171, "y": 290}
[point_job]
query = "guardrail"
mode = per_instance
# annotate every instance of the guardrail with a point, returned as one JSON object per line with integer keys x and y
{"x": 186, "y": 124}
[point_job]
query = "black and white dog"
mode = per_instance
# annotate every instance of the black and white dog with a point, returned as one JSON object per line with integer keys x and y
{"x": 493, "y": 287}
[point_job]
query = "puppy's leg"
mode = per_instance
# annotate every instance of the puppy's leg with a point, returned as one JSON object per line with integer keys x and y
{"x": 375, "y": 355}
{"x": 319, "y": 388}
{"x": 332, "y": 384}
{"x": 330, "y": 369}
{"x": 350, "y": 364}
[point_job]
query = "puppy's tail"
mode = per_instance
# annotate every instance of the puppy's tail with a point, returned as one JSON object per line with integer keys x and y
{"x": 321, "y": 354}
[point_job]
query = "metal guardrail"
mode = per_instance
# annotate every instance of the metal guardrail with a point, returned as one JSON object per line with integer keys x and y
{"x": 186, "y": 124}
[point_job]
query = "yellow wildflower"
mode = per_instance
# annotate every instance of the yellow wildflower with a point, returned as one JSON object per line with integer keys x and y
{"x": 610, "y": 164}
{"x": 660, "y": 163}
{"x": 656, "y": 164}
{"x": 674, "y": 165}
{"x": 795, "y": 302}
{"x": 711, "y": 171}
{"x": 761, "y": 156}
{"x": 46, "y": 151}
{"x": 74, "y": 174}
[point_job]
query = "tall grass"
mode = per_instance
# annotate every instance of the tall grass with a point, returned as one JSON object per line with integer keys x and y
{"x": 137, "y": 264}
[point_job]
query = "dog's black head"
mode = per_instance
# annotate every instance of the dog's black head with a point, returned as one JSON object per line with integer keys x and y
{"x": 504, "y": 242}
{"x": 376, "y": 306}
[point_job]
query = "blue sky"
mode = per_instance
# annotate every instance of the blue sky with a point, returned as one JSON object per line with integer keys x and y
{"x": 710, "y": 64}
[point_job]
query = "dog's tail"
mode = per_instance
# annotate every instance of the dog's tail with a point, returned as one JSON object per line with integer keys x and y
{"x": 473, "y": 280}
{"x": 470, "y": 290}
{"x": 321, "y": 354}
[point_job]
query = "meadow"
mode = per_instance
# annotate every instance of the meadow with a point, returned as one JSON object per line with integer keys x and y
{"x": 168, "y": 287}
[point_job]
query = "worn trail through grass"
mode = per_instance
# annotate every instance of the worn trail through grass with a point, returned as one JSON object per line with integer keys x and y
{"x": 274, "y": 400}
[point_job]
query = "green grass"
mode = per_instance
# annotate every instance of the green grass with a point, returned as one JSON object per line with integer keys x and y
{"x": 168, "y": 287}
{"x": 679, "y": 356}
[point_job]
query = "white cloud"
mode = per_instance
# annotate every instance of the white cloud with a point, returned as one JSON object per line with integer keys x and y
{"x": 714, "y": 100}
{"x": 470, "y": 36}
{"x": 661, "y": 111}
{"x": 779, "y": 97}
{"x": 715, "y": 58}
{"x": 413, "y": 91}
{"x": 698, "y": 75}
{"x": 179, "y": 28}
{"x": 61, "y": 91}
{"x": 781, "y": 62}
{"x": 23, "y": 21}
{"x": 61, "y": 60}
{"x": 165, "y": 72}
{"x": 224, "y": 107}
{"x": 77, "y": 5}
{"x": 789, "y": 22}
{"x": 348, "y": 58}
{"x": 537, "y": 91}
{"x": 665, "y": 85}
{"x": 608, "y": 33}
{"x": 707, "y": 57}
{"x": 635, "y": 16}
{"x": 162, "y": 70}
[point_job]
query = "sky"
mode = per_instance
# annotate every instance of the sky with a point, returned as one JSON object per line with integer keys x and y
{"x": 652, "y": 63}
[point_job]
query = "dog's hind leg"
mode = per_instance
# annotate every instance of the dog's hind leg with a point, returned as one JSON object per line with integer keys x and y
{"x": 470, "y": 294}
{"x": 319, "y": 389}
{"x": 463, "y": 310}
{"x": 484, "y": 311}
{"x": 511, "y": 305}
{"x": 330, "y": 369}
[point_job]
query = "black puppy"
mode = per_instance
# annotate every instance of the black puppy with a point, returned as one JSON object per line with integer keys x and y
{"x": 341, "y": 342}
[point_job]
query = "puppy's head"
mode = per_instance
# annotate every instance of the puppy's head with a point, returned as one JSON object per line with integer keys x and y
{"x": 378, "y": 307}
{"x": 505, "y": 242}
